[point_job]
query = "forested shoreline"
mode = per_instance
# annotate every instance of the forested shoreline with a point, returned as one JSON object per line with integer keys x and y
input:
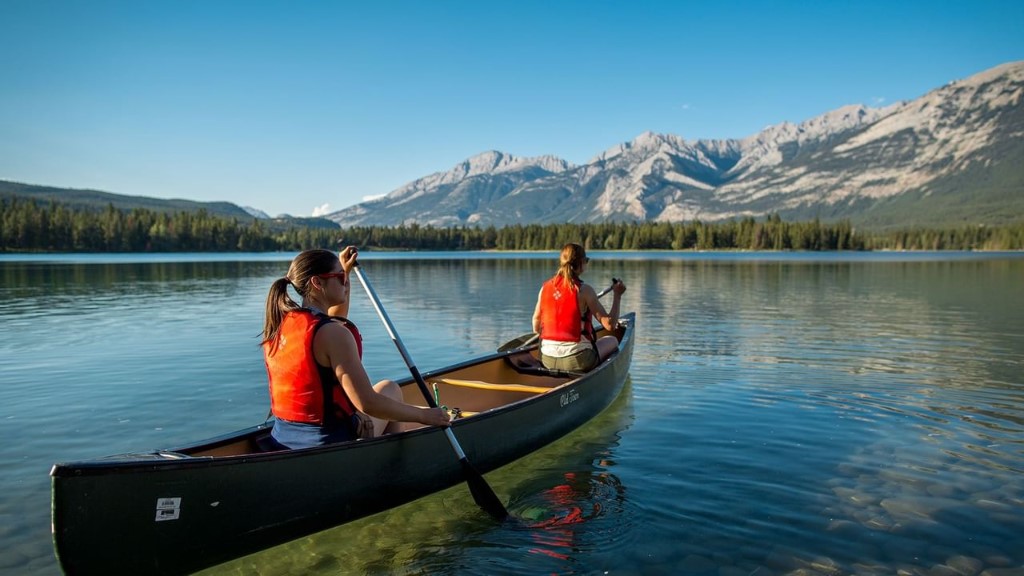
{"x": 28, "y": 226}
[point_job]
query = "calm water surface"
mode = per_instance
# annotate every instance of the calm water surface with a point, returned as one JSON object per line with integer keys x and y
{"x": 786, "y": 414}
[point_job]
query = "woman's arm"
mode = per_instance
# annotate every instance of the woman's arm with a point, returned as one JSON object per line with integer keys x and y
{"x": 608, "y": 319}
{"x": 536, "y": 314}
{"x": 335, "y": 346}
{"x": 348, "y": 262}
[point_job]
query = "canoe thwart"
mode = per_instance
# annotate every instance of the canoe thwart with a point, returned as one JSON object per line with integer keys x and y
{"x": 492, "y": 386}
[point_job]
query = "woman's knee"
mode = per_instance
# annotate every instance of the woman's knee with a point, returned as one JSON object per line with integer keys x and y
{"x": 392, "y": 390}
{"x": 389, "y": 388}
{"x": 606, "y": 345}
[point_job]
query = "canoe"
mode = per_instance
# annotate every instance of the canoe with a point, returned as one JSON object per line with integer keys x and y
{"x": 184, "y": 509}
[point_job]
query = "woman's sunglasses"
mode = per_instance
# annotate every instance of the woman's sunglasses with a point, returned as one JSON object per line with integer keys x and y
{"x": 339, "y": 275}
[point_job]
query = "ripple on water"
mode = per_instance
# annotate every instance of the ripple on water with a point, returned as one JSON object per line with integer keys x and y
{"x": 586, "y": 511}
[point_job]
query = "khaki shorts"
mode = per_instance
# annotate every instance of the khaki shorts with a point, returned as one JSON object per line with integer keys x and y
{"x": 579, "y": 362}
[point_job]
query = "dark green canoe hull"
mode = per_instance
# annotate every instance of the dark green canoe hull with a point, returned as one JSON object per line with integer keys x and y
{"x": 171, "y": 513}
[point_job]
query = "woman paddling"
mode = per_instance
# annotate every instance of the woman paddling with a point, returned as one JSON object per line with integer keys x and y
{"x": 319, "y": 391}
{"x": 563, "y": 317}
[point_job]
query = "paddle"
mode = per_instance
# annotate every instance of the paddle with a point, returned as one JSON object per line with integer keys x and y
{"x": 531, "y": 337}
{"x": 478, "y": 487}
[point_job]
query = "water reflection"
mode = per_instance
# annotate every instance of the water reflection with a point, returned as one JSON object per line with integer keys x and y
{"x": 20, "y": 279}
{"x": 786, "y": 415}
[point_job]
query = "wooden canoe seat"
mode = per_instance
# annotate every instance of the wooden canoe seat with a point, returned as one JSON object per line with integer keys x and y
{"x": 492, "y": 386}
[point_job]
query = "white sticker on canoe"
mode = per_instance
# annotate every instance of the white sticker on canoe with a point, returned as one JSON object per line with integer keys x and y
{"x": 168, "y": 509}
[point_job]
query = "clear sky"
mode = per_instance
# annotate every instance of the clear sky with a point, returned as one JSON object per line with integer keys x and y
{"x": 295, "y": 107}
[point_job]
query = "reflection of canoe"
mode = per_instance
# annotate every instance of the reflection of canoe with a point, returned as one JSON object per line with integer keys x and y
{"x": 181, "y": 510}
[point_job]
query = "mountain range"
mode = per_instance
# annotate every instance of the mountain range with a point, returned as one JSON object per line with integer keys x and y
{"x": 952, "y": 156}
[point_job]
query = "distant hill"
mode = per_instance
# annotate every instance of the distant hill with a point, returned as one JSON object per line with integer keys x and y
{"x": 954, "y": 156}
{"x": 98, "y": 200}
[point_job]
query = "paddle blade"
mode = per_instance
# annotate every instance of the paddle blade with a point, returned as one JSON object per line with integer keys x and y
{"x": 482, "y": 493}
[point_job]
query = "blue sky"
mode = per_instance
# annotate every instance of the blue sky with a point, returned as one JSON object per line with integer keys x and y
{"x": 291, "y": 107}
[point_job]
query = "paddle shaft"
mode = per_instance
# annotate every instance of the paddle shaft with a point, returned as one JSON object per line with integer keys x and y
{"x": 482, "y": 493}
{"x": 608, "y": 289}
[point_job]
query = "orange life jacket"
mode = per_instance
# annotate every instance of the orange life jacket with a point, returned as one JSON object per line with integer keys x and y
{"x": 355, "y": 333}
{"x": 560, "y": 317}
{"x": 300, "y": 389}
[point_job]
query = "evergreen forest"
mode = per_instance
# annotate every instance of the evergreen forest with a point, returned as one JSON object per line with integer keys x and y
{"x": 30, "y": 226}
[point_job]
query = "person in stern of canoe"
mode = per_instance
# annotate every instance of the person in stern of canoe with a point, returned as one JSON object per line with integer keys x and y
{"x": 319, "y": 391}
{"x": 563, "y": 317}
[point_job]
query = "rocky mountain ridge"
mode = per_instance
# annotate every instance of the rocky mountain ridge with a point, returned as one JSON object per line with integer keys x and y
{"x": 910, "y": 162}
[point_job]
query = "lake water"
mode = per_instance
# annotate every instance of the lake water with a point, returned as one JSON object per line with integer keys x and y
{"x": 786, "y": 413}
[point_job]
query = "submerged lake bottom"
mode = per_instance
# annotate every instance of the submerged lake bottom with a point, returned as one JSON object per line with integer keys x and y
{"x": 785, "y": 414}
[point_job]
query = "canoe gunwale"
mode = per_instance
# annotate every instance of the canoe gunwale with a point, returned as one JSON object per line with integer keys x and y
{"x": 180, "y": 458}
